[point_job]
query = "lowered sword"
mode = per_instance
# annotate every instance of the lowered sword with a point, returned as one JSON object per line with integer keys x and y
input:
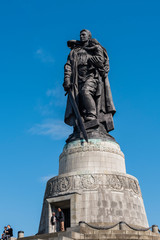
{"x": 78, "y": 116}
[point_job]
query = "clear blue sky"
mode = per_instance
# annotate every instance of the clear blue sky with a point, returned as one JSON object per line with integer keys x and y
{"x": 33, "y": 52}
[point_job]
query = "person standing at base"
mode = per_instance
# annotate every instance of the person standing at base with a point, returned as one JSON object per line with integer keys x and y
{"x": 53, "y": 222}
{"x": 61, "y": 219}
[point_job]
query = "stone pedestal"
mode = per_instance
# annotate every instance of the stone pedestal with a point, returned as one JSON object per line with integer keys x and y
{"x": 93, "y": 186}
{"x": 96, "y": 156}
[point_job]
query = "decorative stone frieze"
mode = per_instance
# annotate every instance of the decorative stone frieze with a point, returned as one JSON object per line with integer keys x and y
{"x": 67, "y": 184}
{"x": 91, "y": 147}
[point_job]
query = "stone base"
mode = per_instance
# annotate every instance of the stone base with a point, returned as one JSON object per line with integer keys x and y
{"x": 94, "y": 198}
{"x": 84, "y": 232}
{"x": 96, "y": 156}
{"x": 93, "y": 186}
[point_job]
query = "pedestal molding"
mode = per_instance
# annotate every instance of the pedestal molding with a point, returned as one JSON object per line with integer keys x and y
{"x": 91, "y": 147}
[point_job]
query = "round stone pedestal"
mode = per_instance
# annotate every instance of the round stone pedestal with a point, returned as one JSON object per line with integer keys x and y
{"x": 100, "y": 198}
{"x": 93, "y": 185}
{"x": 96, "y": 156}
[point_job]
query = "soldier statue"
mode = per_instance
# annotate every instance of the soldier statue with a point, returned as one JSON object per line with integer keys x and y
{"x": 86, "y": 78}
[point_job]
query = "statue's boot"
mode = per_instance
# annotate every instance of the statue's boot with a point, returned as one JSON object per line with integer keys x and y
{"x": 90, "y": 107}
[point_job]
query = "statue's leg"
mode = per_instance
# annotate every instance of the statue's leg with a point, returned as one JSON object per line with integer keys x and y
{"x": 87, "y": 95}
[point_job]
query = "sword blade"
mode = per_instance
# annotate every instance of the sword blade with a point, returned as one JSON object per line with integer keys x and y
{"x": 78, "y": 116}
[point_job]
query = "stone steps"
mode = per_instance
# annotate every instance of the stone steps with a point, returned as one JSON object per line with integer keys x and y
{"x": 86, "y": 233}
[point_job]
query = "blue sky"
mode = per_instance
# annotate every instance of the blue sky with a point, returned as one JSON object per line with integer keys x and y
{"x": 33, "y": 52}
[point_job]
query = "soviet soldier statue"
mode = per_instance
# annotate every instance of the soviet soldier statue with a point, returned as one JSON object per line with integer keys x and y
{"x": 86, "y": 75}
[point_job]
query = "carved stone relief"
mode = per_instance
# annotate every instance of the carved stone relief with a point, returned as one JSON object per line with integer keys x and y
{"x": 68, "y": 184}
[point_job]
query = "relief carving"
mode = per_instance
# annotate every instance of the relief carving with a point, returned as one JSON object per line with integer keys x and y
{"x": 134, "y": 186}
{"x": 64, "y": 184}
{"x": 69, "y": 184}
{"x": 88, "y": 182}
{"x": 114, "y": 182}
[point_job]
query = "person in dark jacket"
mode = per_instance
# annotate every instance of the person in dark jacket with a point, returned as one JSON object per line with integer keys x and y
{"x": 4, "y": 233}
{"x": 9, "y": 231}
{"x": 61, "y": 219}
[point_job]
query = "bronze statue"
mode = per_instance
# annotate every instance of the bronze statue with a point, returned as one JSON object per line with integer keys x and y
{"x": 86, "y": 78}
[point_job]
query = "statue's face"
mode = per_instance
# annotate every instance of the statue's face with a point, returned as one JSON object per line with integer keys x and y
{"x": 84, "y": 36}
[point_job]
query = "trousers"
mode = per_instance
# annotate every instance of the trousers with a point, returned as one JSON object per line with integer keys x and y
{"x": 53, "y": 228}
{"x": 87, "y": 91}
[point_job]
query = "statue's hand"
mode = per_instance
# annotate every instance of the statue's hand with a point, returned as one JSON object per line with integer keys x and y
{"x": 66, "y": 86}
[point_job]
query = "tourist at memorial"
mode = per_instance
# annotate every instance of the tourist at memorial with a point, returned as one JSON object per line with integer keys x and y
{"x": 53, "y": 222}
{"x": 7, "y": 233}
{"x": 3, "y": 236}
{"x": 60, "y": 219}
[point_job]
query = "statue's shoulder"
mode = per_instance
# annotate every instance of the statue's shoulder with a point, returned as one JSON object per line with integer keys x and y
{"x": 94, "y": 42}
{"x": 73, "y": 44}
{"x": 99, "y": 47}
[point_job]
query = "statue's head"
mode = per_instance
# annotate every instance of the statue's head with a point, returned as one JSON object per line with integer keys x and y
{"x": 85, "y": 35}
